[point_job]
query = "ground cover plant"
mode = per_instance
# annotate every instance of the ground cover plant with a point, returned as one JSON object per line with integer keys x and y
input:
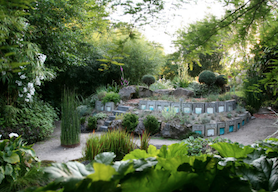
{"x": 19, "y": 167}
{"x": 235, "y": 168}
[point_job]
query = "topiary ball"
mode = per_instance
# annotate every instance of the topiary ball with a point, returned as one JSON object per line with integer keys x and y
{"x": 151, "y": 124}
{"x": 221, "y": 80}
{"x": 207, "y": 77}
{"x": 148, "y": 79}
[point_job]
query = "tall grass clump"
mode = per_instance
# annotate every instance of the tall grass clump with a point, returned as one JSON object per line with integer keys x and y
{"x": 70, "y": 126}
{"x": 119, "y": 142}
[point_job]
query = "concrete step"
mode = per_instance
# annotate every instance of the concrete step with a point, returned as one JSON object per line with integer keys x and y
{"x": 111, "y": 118}
{"x": 123, "y": 108}
{"x": 118, "y": 112}
{"x": 107, "y": 123}
{"x": 103, "y": 128}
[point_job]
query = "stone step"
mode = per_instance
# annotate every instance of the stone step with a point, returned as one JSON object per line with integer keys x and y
{"x": 118, "y": 112}
{"x": 111, "y": 118}
{"x": 107, "y": 123}
{"x": 103, "y": 128}
{"x": 123, "y": 108}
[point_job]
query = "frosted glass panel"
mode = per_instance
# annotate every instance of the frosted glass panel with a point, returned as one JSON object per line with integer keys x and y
{"x": 221, "y": 109}
{"x": 186, "y": 110}
{"x": 210, "y": 110}
{"x": 143, "y": 107}
{"x": 210, "y": 132}
{"x": 198, "y": 110}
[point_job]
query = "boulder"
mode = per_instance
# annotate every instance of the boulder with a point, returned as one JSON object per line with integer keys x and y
{"x": 160, "y": 92}
{"x": 127, "y": 92}
{"x": 140, "y": 127}
{"x": 172, "y": 130}
{"x": 181, "y": 92}
{"x": 145, "y": 92}
{"x": 116, "y": 124}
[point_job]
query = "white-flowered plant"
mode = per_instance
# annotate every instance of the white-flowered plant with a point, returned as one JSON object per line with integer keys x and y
{"x": 11, "y": 135}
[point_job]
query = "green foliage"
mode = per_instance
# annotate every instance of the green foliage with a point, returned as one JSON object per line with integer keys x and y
{"x": 144, "y": 140}
{"x": 148, "y": 80}
{"x": 175, "y": 168}
{"x": 17, "y": 163}
{"x": 111, "y": 97}
{"x": 101, "y": 94}
{"x": 92, "y": 123}
{"x": 178, "y": 82}
{"x": 151, "y": 124}
{"x": 130, "y": 122}
{"x": 207, "y": 77}
{"x": 82, "y": 120}
{"x": 161, "y": 84}
{"x": 70, "y": 126}
{"x": 203, "y": 90}
{"x": 114, "y": 87}
{"x": 101, "y": 115}
{"x": 34, "y": 122}
{"x": 191, "y": 134}
{"x": 211, "y": 98}
{"x": 119, "y": 142}
{"x": 221, "y": 80}
{"x": 83, "y": 110}
{"x": 168, "y": 115}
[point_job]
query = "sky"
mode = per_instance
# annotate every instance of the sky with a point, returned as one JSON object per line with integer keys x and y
{"x": 185, "y": 15}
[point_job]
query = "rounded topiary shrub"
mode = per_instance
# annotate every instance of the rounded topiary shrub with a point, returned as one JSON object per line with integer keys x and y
{"x": 92, "y": 123}
{"x": 151, "y": 124}
{"x": 130, "y": 122}
{"x": 207, "y": 77}
{"x": 148, "y": 79}
{"x": 221, "y": 80}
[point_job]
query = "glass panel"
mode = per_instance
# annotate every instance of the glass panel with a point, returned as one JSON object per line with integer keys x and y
{"x": 210, "y": 132}
{"x": 230, "y": 108}
{"x": 151, "y": 107}
{"x": 186, "y": 110}
{"x": 238, "y": 125}
{"x": 243, "y": 122}
{"x": 108, "y": 108}
{"x": 143, "y": 107}
{"x": 210, "y": 110}
{"x": 177, "y": 109}
{"x": 222, "y": 131}
{"x": 221, "y": 109}
{"x": 166, "y": 108}
{"x": 231, "y": 128}
{"x": 159, "y": 108}
{"x": 198, "y": 110}
{"x": 200, "y": 132}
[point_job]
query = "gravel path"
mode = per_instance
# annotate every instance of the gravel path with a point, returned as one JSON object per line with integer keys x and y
{"x": 51, "y": 149}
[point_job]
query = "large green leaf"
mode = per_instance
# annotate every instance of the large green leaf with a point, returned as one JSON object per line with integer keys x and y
{"x": 105, "y": 158}
{"x": 264, "y": 175}
{"x": 8, "y": 169}
{"x": 2, "y": 174}
{"x": 137, "y": 154}
{"x": 232, "y": 150}
{"x": 174, "y": 150}
{"x": 102, "y": 172}
{"x": 68, "y": 170}
{"x": 13, "y": 158}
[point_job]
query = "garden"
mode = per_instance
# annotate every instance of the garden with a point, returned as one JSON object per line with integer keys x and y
{"x": 69, "y": 62}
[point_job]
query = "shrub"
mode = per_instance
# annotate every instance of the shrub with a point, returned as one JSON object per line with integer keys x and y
{"x": 203, "y": 89}
{"x": 34, "y": 122}
{"x": 151, "y": 124}
{"x": 119, "y": 142}
{"x": 70, "y": 126}
{"x": 207, "y": 77}
{"x": 92, "y": 123}
{"x": 111, "y": 97}
{"x": 101, "y": 94}
{"x": 82, "y": 120}
{"x": 83, "y": 110}
{"x": 168, "y": 115}
{"x": 144, "y": 140}
{"x": 221, "y": 80}
{"x": 161, "y": 84}
{"x": 178, "y": 82}
{"x": 148, "y": 80}
{"x": 130, "y": 122}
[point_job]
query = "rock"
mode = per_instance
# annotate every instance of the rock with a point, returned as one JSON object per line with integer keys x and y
{"x": 140, "y": 127}
{"x": 160, "y": 92}
{"x": 100, "y": 122}
{"x": 181, "y": 92}
{"x": 116, "y": 124}
{"x": 172, "y": 130}
{"x": 127, "y": 92}
{"x": 145, "y": 92}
